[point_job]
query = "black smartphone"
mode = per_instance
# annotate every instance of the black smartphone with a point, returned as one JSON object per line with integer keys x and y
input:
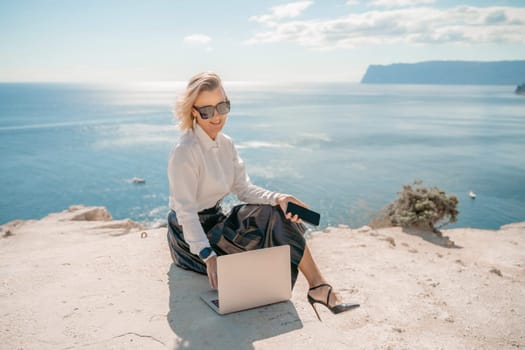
{"x": 303, "y": 213}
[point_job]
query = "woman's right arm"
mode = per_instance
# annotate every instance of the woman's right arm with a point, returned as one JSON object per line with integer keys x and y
{"x": 183, "y": 181}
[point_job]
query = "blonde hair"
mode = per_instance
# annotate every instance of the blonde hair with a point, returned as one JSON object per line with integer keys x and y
{"x": 204, "y": 81}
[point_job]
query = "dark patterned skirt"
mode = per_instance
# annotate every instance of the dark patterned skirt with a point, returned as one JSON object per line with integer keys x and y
{"x": 246, "y": 227}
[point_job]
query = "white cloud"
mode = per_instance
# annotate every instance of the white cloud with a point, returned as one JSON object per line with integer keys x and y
{"x": 290, "y": 10}
{"x": 399, "y": 3}
{"x": 197, "y": 39}
{"x": 352, "y": 2}
{"x": 414, "y": 26}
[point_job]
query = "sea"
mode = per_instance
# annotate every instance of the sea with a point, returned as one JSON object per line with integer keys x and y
{"x": 345, "y": 149}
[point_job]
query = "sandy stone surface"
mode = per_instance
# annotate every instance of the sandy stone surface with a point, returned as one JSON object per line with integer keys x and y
{"x": 80, "y": 280}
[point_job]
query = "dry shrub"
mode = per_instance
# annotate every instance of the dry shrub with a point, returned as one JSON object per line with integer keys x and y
{"x": 419, "y": 207}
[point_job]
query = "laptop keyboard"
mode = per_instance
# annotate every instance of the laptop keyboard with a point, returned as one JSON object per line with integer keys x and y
{"x": 216, "y": 302}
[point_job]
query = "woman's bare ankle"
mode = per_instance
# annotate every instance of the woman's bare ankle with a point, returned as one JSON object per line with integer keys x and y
{"x": 316, "y": 282}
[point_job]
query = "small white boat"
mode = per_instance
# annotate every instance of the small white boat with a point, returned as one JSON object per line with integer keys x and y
{"x": 138, "y": 180}
{"x": 472, "y": 195}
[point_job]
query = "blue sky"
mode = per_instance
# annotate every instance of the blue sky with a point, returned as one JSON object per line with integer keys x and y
{"x": 108, "y": 41}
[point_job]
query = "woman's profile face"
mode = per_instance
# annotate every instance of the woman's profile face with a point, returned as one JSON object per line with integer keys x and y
{"x": 213, "y": 125}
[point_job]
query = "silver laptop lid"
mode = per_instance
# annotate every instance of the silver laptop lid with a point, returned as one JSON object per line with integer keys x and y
{"x": 254, "y": 278}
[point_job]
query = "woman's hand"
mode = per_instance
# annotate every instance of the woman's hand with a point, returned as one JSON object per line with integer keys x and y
{"x": 283, "y": 202}
{"x": 211, "y": 267}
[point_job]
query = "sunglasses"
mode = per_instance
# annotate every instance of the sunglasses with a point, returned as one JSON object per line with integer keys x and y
{"x": 207, "y": 112}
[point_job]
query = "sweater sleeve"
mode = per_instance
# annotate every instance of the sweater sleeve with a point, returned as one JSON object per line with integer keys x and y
{"x": 243, "y": 187}
{"x": 182, "y": 175}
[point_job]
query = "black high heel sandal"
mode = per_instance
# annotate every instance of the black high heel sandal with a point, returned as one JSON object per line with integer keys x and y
{"x": 335, "y": 309}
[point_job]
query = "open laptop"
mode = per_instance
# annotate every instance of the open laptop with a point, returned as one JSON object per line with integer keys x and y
{"x": 251, "y": 279}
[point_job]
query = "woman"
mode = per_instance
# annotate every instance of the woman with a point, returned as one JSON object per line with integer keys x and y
{"x": 204, "y": 166}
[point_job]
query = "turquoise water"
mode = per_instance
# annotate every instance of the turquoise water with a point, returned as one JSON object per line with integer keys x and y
{"x": 344, "y": 149}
